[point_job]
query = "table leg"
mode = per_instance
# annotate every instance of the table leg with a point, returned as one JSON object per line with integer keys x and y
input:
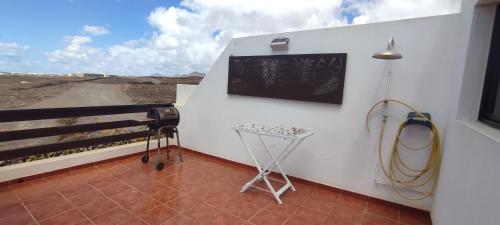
{"x": 285, "y": 151}
{"x": 275, "y": 162}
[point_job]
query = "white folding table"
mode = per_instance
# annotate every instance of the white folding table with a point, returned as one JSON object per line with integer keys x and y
{"x": 294, "y": 136}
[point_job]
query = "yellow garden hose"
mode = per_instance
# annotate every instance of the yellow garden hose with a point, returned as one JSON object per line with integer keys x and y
{"x": 398, "y": 172}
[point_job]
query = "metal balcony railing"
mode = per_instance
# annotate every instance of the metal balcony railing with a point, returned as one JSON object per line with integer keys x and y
{"x": 59, "y": 113}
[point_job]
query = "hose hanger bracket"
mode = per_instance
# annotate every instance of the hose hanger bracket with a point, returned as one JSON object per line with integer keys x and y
{"x": 416, "y": 119}
{"x": 397, "y": 171}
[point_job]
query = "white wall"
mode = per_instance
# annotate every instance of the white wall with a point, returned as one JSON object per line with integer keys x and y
{"x": 183, "y": 93}
{"x": 469, "y": 186}
{"x": 341, "y": 153}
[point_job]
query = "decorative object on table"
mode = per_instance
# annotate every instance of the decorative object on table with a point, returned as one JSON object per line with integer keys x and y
{"x": 303, "y": 77}
{"x": 162, "y": 119}
{"x": 293, "y": 135}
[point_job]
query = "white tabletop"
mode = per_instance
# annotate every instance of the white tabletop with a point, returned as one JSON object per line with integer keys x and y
{"x": 277, "y": 131}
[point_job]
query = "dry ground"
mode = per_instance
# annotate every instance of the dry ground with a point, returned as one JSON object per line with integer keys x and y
{"x": 26, "y": 91}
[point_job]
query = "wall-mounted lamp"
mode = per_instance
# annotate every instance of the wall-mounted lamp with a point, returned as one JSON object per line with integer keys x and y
{"x": 389, "y": 53}
{"x": 279, "y": 44}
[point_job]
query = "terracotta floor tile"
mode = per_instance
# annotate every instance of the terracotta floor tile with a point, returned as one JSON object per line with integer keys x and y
{"x": 113, "y": 187}
{"x": 166, "y": 194}
{"x": 35, "y": 191}
{"x": 307, "y": 216}
{"x": 19, "y": 219}
{"x": 73, "y": 190}
{"x": 257, "y": 197}
{"x": 344, "y": 215}
{"x": 85, "y": 198}
{"x": 302, "y": 187}
{"x": 322, "y": 205}
{"x": 203, "y": 193}
{"x": 137, "y": 180}
{"x": 334, "y": 221}
{"x": 66, "y": 182}
{"x": 116, "y": 216}
{"x": 83, "y": 170}
{"x": 70, "y": 217}
{"x": 151, "y": 187}
{"x": 205, "y": 189}
{"x": 182, "y": 184}
{"x": 322, "y": 193}
{"x": 27, "y": 182}
{"x": 222, "y": 200}
{"x": 383, "y": 209}
{"x": 106, "y": 164}
{"x": 370, "y": 219}
{"x": 181, "y": 220}
{"x": 113, "y": 169}
{"x": 49, "y": 206}
{"x": 354, "y": 202}
{"x": 8, "y": 197}
{"x": 284, "y": 210}
{"x": 100, "y": 180}
{"x": 55, "y": 176}
{"x": 183, "y": 203}
{"x": 141, "y": 205}
{"x": 97, "y": 207}
{"x": 224, "y": 219}
{"x": 223, "y": 186}
{"x": 157, "y": 175}
{"x": 157, "y": 215}
{"x": 264, "y": 217}
{"x": 137, "y": 164}
{"x": 242, "y": 209}
{"x": 12, "y": 209}
{"x": 414, "y": 217}
{"x": 128, "y": 195}
{"x": 295, "y": 197}
{"x": 202, "y": 212}
{"x": 123, "y": 173}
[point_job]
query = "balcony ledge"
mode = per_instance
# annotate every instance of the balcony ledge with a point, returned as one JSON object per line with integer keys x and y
{"x": 17, "y": 171}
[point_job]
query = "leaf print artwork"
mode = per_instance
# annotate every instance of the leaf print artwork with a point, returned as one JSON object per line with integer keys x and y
{"x": 302, "y": 77}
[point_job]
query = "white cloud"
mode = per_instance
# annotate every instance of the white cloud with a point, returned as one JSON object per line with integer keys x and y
{"x": 191, "y": 36}
{"x": 77, "y": 54}
{"x": 375, "y": 11}
{"x": 95, "y": 30}
{"x": 12, "y": 56}
{"x": 12, "y": 49}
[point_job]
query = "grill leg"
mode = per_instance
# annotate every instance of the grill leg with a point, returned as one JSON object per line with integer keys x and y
{"x": 168, "y": 149}
{"x": 147, "y": 143}
{"x": 176, "y": 131}
{"x": 145, "y": 157}
{"x": 158, "y": 135}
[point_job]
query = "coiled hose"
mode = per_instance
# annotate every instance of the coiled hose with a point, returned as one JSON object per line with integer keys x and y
{"x": 398, "y": 172}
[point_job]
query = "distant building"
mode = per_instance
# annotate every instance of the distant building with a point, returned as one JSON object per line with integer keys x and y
{"x": 88, "y": 75}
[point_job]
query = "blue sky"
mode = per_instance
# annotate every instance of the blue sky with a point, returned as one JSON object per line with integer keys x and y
{"x": 141, "y": 37}
{"x": 42, "y": 24}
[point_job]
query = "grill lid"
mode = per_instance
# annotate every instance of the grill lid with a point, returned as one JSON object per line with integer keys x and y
{"x": 164, "y": 116}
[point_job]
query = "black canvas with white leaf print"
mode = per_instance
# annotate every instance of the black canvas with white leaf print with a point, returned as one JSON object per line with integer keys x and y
{"x": 304, "y": 77}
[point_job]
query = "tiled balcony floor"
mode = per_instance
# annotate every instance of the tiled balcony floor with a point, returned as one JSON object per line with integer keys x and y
{"x": 200, "y": 190}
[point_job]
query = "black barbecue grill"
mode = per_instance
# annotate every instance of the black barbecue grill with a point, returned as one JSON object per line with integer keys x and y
{"x": 162, "y": 120}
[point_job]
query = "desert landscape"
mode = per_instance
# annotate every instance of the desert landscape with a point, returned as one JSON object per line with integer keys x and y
{"x": 31, "y": 91}
{"x": 44, "y": 91}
